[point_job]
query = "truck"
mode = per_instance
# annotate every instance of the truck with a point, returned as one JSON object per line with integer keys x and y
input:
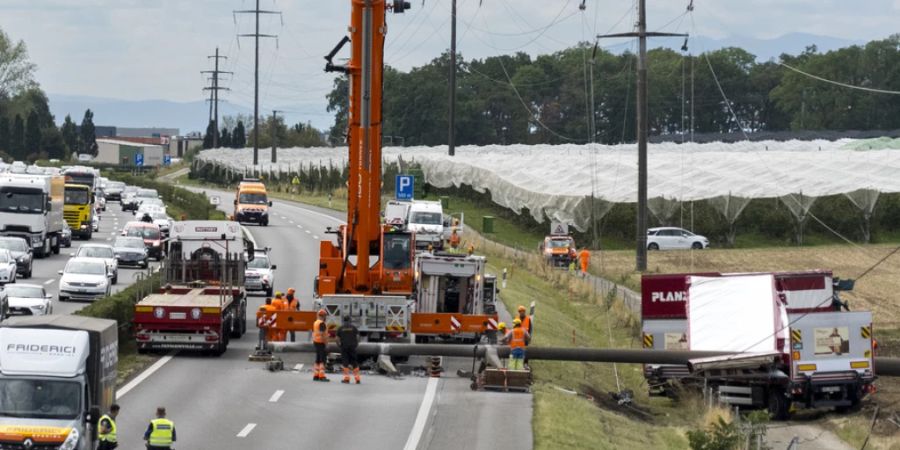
{"x": 31, "y": 207}
{"x": 202, "y": 303}
{"x": 57, "y": 376}
{"x": 792, "y": 347}
{"x": 78, "y": 210}
{"x": 251, "y": 202}
{"x": 450, "y": 301}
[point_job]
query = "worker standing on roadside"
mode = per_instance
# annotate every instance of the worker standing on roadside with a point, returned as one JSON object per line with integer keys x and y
{"x": 160, "y": 434}
{"x": 280, "y": 305}
{"x": 107, "y": 429}
{"x": 526, "y": 320}
{"x": 348, "y": 339}
{"x": 293, "y": 304}
{"x": 266, "y": 333}
{"x": 320, "y": 341}
{"x": 501, "y": 331}
{"x": 584, "y": 258}
{"x": 516, "y": 339}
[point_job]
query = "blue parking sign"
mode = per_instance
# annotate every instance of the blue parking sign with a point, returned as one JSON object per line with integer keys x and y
{"x": 139, "y": 159}
{"x": 405, "y": 185}
{"x": 167, "y": 160}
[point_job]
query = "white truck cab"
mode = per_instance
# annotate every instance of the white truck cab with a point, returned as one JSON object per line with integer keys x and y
{"x": 426, "y": 219}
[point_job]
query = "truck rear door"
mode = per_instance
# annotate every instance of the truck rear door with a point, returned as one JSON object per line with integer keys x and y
{"x": 831, "y": 345}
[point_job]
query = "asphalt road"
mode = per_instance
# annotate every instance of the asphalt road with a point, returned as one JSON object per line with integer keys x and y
{"x": 231, "y": 403}
{"x": 46, "y": 271}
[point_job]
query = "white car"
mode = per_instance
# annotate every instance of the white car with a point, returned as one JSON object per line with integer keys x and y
{"x": 260, "y": 273}
{"x": 29, "y": 299}
{"x": 84, "y": 279}
{"x": 95, "y": 223}
{"x": 7, "y": 267}
{"x": 106, "y": 253}
{"x": 672, "y": 238}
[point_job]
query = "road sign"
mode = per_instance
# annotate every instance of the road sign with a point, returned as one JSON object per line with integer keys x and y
{"x": 559, "y": 228}
{"x": 139, "y": 159}
{"x": 405, "y": 185}
{"x": 167, "y": 160}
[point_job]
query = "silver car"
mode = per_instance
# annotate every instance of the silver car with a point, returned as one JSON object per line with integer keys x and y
{"x": 29, "y": 300}
{"x": 7, "y": 267}
{"x": 672, "y": 238}
{"x": 103, "y": 252}
{"x": 260, "y": 273}
{"x": 84, "y": 279}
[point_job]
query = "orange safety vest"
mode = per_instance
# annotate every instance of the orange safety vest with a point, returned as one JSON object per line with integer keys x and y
{"x": 278, "y": 303}
{"x": 318, "y": 336}
{"x": 526, "y": 324}
{"x": 517, "y": 340}
{"x": 454, "y": 240}
{"x": 294, "y": 304}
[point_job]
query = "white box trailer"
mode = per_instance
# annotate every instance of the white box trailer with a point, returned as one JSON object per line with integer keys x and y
{"x": 31, "y": 207}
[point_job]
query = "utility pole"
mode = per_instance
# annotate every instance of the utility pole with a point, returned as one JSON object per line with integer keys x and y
{"x": 642, "y": 123}
{"x": 274, "y": 134}
{"x": 256, "y": 35}
{"x": 451, "y": 138}
{"x": 214, "y": 94}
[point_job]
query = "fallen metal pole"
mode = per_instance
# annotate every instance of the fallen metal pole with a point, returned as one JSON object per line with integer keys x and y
{"x": 887, "y": 367}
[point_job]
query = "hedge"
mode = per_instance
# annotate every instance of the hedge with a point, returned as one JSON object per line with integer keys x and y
{"x": 196, "y": 206}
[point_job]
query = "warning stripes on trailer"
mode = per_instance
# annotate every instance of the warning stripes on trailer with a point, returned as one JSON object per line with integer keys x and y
{"x": 455, "y": 325}
{"x": 865, "y": 332}
{"x": 648, "y": 341}
{"x": 492, "y": 324}
{"x": 796, "y": 336}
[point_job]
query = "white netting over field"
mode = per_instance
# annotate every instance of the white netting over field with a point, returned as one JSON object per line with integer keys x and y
{"x": 555, "y": 181}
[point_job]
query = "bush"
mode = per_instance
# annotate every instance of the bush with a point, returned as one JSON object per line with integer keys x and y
{"x": 195, "y": 205}
{"x": 120, "y": 306}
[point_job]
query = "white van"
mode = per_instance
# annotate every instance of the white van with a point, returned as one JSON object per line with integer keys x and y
{"x": 426, "y": 219}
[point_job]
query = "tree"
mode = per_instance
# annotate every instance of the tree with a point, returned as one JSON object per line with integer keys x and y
{"x": 208, "y": 136}
{"x": 32, "y": 136}
{"x": 17, "y": 139}
{"x": 5, "y": 137}
{"x": 239, "y": 137}
{"x": 225, "y": 138}
{"x": 88, "y": 134}
{"x": 70, "y": 134}
{"x": 16, "y": 72}
{"x": 53, "y": 144}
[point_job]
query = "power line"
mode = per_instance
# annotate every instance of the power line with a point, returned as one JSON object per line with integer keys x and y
{"x": 838, "y": 83}
{"x": 256, "y": 35}
{"x": 214, "y": 94}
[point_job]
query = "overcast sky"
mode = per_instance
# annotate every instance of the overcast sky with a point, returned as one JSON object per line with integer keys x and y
{"x": 155, "y": 49}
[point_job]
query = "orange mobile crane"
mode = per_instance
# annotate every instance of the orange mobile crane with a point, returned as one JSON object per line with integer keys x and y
{"x": 368, "y": 274}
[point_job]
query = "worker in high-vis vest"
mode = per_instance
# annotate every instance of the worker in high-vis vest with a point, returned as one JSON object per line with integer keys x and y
{"x": 293, "y": 304}
{"x": 526, "y": 320}
{"x": 516, "y": 339}
{"x": 584, "y": 258}
{"x": 264, "y": 323}
{"x": 320, "y": 342}
{"x": 160, "y": 434}
{"x": 106, "y": 432}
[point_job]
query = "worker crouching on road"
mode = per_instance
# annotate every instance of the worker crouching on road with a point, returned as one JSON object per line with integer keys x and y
{"x": 160, "y": 434}
{"x": 516, "y": 339}
{"x": 320, "y": 341}
{"x": 348, "y": 339}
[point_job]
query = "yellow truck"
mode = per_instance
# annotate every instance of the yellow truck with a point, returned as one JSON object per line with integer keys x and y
{"x": 78, "y": 210}
{"x": 251, "y": 203}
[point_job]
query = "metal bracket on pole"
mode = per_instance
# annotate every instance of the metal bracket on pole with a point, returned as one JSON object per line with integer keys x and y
{"x": 385, "y": 364}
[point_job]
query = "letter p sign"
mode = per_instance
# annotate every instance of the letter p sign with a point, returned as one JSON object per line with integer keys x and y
{"x": 405, "y": 187}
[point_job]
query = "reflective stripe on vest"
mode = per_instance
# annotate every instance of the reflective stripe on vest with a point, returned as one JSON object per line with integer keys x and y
{"x": 318, "y": 336}
{"x": 111, "y": 436}
{"x": 517, "y": 340}
{"x": 162, "y": 432}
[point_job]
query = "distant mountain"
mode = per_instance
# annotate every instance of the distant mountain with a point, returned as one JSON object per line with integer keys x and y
{"x": 765, "y": 49}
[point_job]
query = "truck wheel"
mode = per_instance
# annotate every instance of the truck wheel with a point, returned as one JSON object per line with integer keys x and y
{"x": 269, "y": 291}
{"x": 779, "y": 406}
{"x": 55, "y": 246}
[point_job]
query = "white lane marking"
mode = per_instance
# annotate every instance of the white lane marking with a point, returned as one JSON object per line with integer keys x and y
{"x": 145, "y": 374}
{"x": 274, "y": 398}
{"x": 291, "y": 221}
{"x": 108, "y": 239}
{"x": 246, "y": 430}
{"x": 298, "y": 367}
{"x": 300, "y": 226}
{"x": 48, "y": 282}
{"x": 296, "y": 206}
{"x": 422, "y": 416}
{"x": 307, "y": 231}
{"x": 315, "y": 237}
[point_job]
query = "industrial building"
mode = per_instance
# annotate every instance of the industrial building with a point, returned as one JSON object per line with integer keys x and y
{"x": 113, "y": 151}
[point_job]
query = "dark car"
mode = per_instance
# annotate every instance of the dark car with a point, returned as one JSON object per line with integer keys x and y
{"x": 151, "y": 235}
{"x": 131, "y": 251}
{"x": 114, "y": 191}
{"x": 128, "y": 198}
{"x": 22, "y": 252}
{"x": 65, "y": 238}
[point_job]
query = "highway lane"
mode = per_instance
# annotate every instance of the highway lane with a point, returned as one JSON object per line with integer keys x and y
{"x": 231, "y": 403}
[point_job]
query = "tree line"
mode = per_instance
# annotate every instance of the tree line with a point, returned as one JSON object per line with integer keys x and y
{"x": 520, "y": 99}
{"x": 234, "y": 135}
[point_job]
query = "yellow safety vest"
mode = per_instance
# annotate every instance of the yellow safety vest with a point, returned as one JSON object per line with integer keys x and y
{"x": 111, "y": 436}
{"x": 161, "y": 436}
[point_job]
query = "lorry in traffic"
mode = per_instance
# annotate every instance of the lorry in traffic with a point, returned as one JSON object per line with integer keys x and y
{"x": 78, "y": 210}
{"x": 57, "y": 376}
{"x": 31, "y": 207}
{"x": 203, "y": 302}
{"x": 251, "y": 202}
{"x": 791, "y": 346}
{"x": 558, "y": 247}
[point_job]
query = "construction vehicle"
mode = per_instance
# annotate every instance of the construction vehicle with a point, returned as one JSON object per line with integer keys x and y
{"x": 251, "y": 203}
{"x": 57, "y": 376}
{"x": 202, "y": 302}
{"x": 31, "y": 207}
{"x": 450, "y": 301}
{"x": 792, "y": 347}
{"x": 78, "y": 210}
{"x": 558, "y": 248}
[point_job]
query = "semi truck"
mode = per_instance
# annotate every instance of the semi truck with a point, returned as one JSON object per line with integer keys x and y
{"x": 251, "y": 202}
{"x": 792, "y": 347}
{"x": 78, "y": 210}
{"x": 202, "y": 303}
{"x": 57, "y": 376}
{"x": 31, "y": 207}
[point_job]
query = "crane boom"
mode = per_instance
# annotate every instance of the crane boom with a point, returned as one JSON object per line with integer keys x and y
{"x": 355, "y": 266}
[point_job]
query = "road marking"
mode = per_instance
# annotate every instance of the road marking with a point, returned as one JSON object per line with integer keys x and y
{"x": 422, "y": 416}
{"x": 274, "y": 398}
{"x": 291, "y": 221}
{"x": 300, "y": 226}
{"x": 145, "y": 374}
{"x": 298, "y": 367}
{"x": 108, "y": 239}
{"x": 48, "y": 282}
{"x": 246, "y": 430}
{"x": 315, "y": 237}
{"x": 307, "y": 231}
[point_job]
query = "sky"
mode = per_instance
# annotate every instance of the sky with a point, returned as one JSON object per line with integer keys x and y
{"x": 156, "y": 49}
